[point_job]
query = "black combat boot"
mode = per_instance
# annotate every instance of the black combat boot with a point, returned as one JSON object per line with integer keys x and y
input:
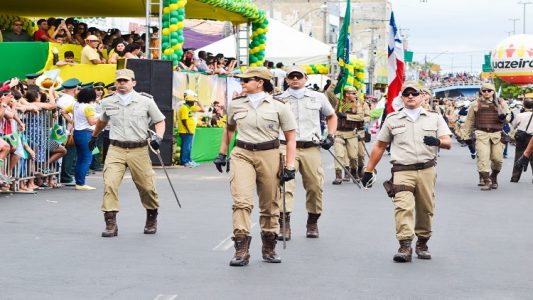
{"x": 346, "y": 175}
{"x": 242, "y": 250}
{"x": 494, "y": 179}
{"x": 338, "y": 177}
{"x": 487, "y": 184}
{"x": 405, "y": 252}
{"x": 355, "y": 174}
{"x": 151, "y": 221}
{"x": 312, "y": 225}
{"x": 421, "y": 249}
{"x": 287, "y": 232}
{"x": 360, "y": 171}
{"x": 269, "y": 244}
{"x": 481, "y": 181}
{"x": 111, "y": 228}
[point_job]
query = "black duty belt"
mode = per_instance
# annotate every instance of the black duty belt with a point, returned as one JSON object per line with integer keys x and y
{"x": 490, "y": 129}
{"x": 414, "y": 167}
{"x": 129, "y": 145}
{"x": 302, "y": 144}
{"x": 274, "y": 144}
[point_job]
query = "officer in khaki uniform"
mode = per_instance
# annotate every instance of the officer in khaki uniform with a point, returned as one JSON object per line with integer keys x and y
{"x": 350, "y": 119}
{"x": 363, "y": 112}
{"x": 486, "y": 117}
{"x": 256, "y": 160}
{"x": 415, "y": 135}
{"x": 306, "y": 105}
{"x": 130, "y": 114}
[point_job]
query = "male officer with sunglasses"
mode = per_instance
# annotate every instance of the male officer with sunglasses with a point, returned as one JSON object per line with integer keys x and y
{"x": 306, "y": 106}
{"x": 415, "y": 135}
{"x": 486, "y": 117}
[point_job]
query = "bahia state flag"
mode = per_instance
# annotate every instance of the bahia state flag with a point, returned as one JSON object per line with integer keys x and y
{"x": 58, "y": 134}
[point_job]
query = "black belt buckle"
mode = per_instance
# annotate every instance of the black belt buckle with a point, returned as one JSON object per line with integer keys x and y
{"x": 420, "y": 166}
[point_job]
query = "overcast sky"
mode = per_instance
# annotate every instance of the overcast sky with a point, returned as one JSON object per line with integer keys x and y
{"x": 466, "y": 29}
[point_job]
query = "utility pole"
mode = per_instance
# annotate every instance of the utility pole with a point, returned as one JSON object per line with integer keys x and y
{"x": 326, "y": 14}
{"x": 371, "y": 62}
{"x": 514, "y": 24}
{"x": 524, "y": 27}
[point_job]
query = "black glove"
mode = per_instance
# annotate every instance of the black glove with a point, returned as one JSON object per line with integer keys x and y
{"x": 155, "y": 143}
{"x": 220, "y": 162}
{"x": 367, "y": 177}
{"x": 522, "y": 162}
{"x": 431, "y": 141}
{"x": 468, "y": 142}
{"x": 92, "y": 143}
{"x": 288, "y": 175}
{"x": 327, "y": 142}
{"x": 502, "y": 117}
{"x": 341, "y": 115}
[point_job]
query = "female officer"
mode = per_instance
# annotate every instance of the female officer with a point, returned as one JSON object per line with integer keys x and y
{"x": 256, "y": 161}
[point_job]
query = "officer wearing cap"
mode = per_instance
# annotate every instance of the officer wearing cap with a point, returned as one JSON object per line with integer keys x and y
{"x": 486, "y": 117}
{"x": 306, "y": 105}
{"x": 351, "y": 114}
{"x": 524, "y": 131}
{"x": 256, "y": 161}
{"x": 69, "y": 90}
{"x": 30, "y": 78}
{"x": 130, "y": 114}
{"x": 415, "y": 135}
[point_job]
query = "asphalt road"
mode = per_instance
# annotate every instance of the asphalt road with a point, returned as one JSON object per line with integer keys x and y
{"x": 50, "y": 244}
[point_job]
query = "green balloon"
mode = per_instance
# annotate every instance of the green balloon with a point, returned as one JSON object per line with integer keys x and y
{"x": 180, "y": 39}
{"x": 174, "y": 35}
{"x": 181, "y": 17}
{"x": 165, "y": 45}
{"x": 165, "y": 39}
{"x": 165, "y": 24}
{"x": 174, "y": 56}
{"x": 173, "y": 14}
{"x": 173, "y": 41}
{"x": 173, "y": 1}
{"x": 179, "y": 52}
{"x": 253, "y": 59}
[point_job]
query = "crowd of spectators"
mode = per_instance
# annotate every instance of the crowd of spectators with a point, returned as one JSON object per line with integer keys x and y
{"x": 436, "y": 79}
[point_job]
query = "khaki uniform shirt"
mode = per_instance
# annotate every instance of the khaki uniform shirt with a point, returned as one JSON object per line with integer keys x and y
{"x": 261, "y": 124}
{"x": 407, "y": 136}
{"x": 306, "y": 112}
{"x": 521, "y": 120}
{"x": 129, "y": 123}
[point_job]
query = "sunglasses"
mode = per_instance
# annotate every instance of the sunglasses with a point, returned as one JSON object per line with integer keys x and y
{"x": 407, "y": 94}
{"x": 246, "y": 80}
{"x": 296, "y": 76}
{"x": 486, "y": 91}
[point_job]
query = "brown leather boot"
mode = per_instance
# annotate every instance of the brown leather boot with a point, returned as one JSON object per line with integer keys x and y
{"x": 421, "y": 249}
{"x": 242, "y": 250}
{"x": 111, "y": 228}
{"x": 151, "y": 221}
{"x": 360, "y": 171}
{"x": 338, "y": 177}
{"x": 287, "y": 233}
{"x": 312, "y": 225}
{"x": 346, "y": 177}
{"x": 405, "y": 252}
{"x": 269, "y": 244}
{"x": 494, "y": 179}
{"x": 355, "y": 174}
{"x": 487, "y": 184}
{"x": 481, "y": 181}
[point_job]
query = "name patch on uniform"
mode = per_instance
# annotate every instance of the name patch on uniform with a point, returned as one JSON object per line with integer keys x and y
{"x": 111, "y": 108}
{"x": 397, "y": 126}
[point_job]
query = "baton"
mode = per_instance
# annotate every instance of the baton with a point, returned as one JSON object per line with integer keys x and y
{"x": 156, "y": 152}
{"x": 363, "y": 143}
{"x": 342, "y": 166}
{"x": 284, "y": 207}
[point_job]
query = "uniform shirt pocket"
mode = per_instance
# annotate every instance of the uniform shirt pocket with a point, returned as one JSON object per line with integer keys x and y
{"x": 240, "y": 115}
{"x": 399, "y": 135}
{"x": 271, "y": 121}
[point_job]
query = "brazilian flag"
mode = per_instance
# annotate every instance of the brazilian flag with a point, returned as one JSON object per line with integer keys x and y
{"x": 12, "y": 139}
{"x": 58, "y": 134}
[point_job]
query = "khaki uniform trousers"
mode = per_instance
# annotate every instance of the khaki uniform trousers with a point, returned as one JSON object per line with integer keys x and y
{"x": 413, "y": 213}
{"x": 360, "y": 149}
{"x": 309, "y": 163}
{"x": 251, "y": 169}
{"x": 140, "y": 165}
{"x": 346, "y": 148}
{"x": 489, "y": 150}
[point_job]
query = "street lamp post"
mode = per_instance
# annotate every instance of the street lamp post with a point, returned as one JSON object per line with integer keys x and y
{"x": 524, "y": 26}
{"x": 514, "y": 24}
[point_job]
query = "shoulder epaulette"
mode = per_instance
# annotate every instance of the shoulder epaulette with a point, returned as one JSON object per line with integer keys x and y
{"x": 147, "y": 95}
{"x": 239, "y": 97}
{"x": 279, "y": 98}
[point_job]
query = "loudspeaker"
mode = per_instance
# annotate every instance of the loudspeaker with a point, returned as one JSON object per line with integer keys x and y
{"x": 155, "y": 78}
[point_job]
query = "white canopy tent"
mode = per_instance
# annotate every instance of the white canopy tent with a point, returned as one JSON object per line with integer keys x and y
{"x": 284, "y": 44}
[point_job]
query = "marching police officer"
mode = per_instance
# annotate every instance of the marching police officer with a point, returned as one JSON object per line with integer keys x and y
{"x": 363, "y": 112}
{"x": 415, "y": 135}
{"x": 486, "y": 117}
{"x": 306, "y": 105}
{"x": 130, "y": 114}
{"x": 524, "y": 131}
{"x": 256, "y": 161}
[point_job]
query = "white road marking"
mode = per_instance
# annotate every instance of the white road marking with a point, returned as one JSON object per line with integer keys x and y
{"x": 165, "y": 297}
{"x": 227, "y": 243}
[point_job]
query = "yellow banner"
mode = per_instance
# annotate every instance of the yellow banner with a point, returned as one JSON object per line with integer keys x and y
{"x": 87, "y": 73}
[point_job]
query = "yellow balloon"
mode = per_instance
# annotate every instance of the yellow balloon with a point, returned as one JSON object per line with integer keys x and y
{"x": 176, "y": 47}
{"x": 166, "y": 10}
{"x": 166, "y": 31}
{"x": 180, "y": 45}
{"x": 173, "y": 7}
{"x": 262, "y": 47}
{"x": 169, "y": 51}
{"x": 173, "y": 27}
{"x": 181, "y": 4}
{"x": 180, "y": 25}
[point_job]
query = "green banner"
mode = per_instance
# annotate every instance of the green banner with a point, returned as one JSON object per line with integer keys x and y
{"x": 20, "y": 58}
{"x": 206, "y": 143}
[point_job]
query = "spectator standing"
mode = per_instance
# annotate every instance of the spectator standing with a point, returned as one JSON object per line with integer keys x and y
{"x": 70, "y": 90}
{"x": 187, "y": 126}
{"x": 41, "y": 35}
{"x": 17, "y": 34}
{"x": 89, "y": 54}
